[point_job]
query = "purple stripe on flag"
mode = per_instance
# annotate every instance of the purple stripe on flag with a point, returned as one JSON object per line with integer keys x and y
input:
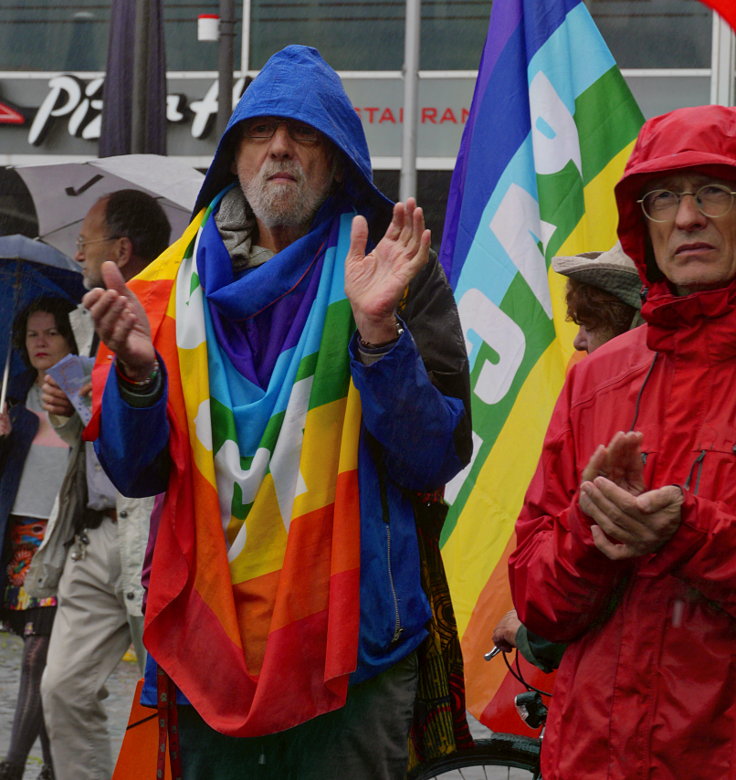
{"x": 499, "y": 118}
{"x": 505, "y": 18}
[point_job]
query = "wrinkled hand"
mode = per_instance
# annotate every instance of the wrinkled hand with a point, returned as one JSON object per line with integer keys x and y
{"x": 121, "y": 323}
{"x": 504, "y": 634}
{"x": 626, "y": 525}
{"x": 620, "y": 462}
{"x": 375, "y": 283}
{"x": 54, "y": 399}
{"x": 6, "y": 426}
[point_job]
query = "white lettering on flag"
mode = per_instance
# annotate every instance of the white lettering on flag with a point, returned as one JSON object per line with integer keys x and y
{"x": 554, "y": 133}
{"x": 513, "y": 225}
{"x": 478, "y": 313}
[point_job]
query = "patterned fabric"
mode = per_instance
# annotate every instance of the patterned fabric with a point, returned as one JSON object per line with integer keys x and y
{"x": 26, "y": 535}
{"x": 512, "y": 182}
{"x": 440, "y": 725}
{"x": 264, "y": 440}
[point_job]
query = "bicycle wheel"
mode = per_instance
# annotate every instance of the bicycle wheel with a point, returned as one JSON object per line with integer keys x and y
{"x": 501, "y": 757}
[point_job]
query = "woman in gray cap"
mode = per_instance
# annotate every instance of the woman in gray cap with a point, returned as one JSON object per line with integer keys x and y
{"x": 603, "y": 295}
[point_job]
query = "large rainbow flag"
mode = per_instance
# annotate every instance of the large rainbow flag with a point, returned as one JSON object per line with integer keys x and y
{"x": 550, "y": 128}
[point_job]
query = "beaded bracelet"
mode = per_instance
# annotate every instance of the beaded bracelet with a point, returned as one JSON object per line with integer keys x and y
{"x": 369, "y": 346}
{"x": 140, "y": 385}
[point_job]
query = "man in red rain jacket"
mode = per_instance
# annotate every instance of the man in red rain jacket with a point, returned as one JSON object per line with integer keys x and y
{"x": 627, "y": 539}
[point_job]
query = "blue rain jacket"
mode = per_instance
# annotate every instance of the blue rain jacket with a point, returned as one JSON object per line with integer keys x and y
{"x": 416, "y": 423}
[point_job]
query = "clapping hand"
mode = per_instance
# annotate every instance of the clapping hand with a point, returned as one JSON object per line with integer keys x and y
{"x": 629, "y": 520}
{"x": 375, "y": 283}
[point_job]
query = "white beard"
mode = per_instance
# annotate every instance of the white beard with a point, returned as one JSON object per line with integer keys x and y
{"x": 283, "y": 204}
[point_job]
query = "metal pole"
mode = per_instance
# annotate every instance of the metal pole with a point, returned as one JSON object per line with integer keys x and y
{"x": 408, "y": 180}
{"x": 225, "y": 65}
{"x": 722, "y": 63}
{"x": 139, "y": 109}
{"x": 245, "y": 39}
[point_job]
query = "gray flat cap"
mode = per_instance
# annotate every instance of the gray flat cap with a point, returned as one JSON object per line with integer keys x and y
{"x": 611, "y": 271}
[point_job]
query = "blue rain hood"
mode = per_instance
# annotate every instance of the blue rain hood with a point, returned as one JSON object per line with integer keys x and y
{"x": 298, "y": 84}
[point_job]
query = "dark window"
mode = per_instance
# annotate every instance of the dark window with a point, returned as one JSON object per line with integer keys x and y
{"x": 432, "y": 190}
{"x": 655, "y": 33}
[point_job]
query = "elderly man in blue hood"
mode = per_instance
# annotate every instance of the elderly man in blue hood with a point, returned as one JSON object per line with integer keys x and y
{"x": 293, "y": 374}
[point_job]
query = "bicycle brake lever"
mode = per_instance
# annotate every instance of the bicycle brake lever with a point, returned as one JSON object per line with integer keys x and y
{"x": 492, "y": 653}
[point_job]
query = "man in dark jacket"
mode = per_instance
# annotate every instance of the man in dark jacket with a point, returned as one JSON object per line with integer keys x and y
{"x": 297, "y": 380}
{"x": 627, "y": 539}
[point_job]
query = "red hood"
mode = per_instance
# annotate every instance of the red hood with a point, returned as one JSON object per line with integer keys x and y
{"x": 703, "y": 137}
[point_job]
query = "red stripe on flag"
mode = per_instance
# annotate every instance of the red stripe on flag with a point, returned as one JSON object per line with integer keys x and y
{"x": 286, "y": 692}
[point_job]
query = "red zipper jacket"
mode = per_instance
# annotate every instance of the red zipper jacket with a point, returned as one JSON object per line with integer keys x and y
{"x": 647, "y": 686}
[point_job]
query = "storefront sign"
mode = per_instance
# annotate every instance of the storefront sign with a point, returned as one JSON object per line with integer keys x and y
{"x": 61, "y": 114}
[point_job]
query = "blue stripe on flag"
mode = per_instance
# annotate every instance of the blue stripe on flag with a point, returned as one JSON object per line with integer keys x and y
{"x": 578, "y": 36}
{"x": 501, "y": 108}
{"x": 487, "y": 264}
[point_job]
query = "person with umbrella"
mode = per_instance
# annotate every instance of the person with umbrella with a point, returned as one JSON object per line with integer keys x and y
{"x": 30, "y": 268}
{"x": 33, "y": 460}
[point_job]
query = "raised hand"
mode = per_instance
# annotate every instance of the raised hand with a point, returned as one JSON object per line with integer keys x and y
{"x": 619, "y": 462}
{"x": 375, "y": 283}
{"x": 121, "y": 323}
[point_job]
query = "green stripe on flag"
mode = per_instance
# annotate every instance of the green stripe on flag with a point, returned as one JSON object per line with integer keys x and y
{"x": 608, "y": 119}
{"x": 330, "y": 361}
{"x": 521, "y": 305}
{"x": 223, "y": 424}
{"x": 561, "y": 204}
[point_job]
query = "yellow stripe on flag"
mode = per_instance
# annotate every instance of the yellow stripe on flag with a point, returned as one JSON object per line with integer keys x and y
{"x": 488, "y": 517}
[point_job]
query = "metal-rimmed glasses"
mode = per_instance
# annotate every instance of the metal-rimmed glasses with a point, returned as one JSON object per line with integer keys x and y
{"x": 262, "y": 128}
{"x": 711, "y": 200}
{"x": 80, "y": 243}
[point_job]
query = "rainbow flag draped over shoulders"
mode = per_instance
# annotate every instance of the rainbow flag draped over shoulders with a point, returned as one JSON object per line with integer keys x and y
{"x": 551, "y": 125}
{"x": 253, "y": 608}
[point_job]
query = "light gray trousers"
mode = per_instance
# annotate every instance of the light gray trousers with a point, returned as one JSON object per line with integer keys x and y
{"x": 91, "y": 632}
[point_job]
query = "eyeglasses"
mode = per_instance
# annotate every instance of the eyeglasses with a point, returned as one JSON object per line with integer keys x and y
{"x": 262, "y": 128}
{"x": 711, "y": 200}
{"x": 80, "y": 243}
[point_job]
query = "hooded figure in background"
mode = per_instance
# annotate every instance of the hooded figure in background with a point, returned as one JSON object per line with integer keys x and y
{"x": 627, "y": 539}
{"x": 296, "y": 380}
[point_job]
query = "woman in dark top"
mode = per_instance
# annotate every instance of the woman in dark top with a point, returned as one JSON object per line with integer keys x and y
{"x": 33, "y": 461}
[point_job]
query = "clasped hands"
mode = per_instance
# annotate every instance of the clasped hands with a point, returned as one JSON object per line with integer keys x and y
{"x": 629, "y": 520}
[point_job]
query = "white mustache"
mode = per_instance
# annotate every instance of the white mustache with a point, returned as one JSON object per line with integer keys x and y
{"x": 292, "y": 168}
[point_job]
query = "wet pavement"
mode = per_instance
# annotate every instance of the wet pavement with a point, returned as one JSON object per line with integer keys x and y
{"x": 121, "y": 686}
